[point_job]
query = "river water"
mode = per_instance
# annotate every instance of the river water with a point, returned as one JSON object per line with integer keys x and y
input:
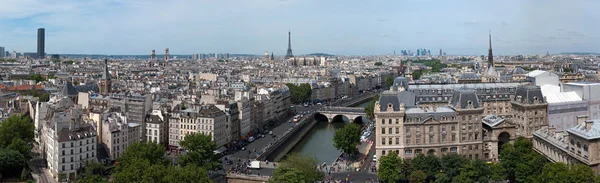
{"x": 318, "y": 142}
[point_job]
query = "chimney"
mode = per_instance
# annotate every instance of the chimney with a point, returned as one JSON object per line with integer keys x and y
{"x": 581, "y": 119}
{"x": 588, "y": 125}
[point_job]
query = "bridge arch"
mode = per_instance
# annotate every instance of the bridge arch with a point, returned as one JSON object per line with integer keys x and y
{"x": 321, "y": 117}
{"x": 360, "y": 120}
{"x": 340, "y": 117}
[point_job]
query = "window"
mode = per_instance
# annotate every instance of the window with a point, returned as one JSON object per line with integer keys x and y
{"x": 71, "y": 166}
{"x": 63, "y": 160}
{"x": 390, "y": 141}
{"x": 382, "y": 152}
{"x": 63, "y": 152}
{"x": 431, "y": 139}
{"x": 407, "y": 140}
{"x": 476, "y": 136}
{"x": 407, "y": 130}
{"x": 398, "y": 141}
{"x": 418, "y": 140}
{"x": 430, "y": 129}
{"x": 382, "y": 121}
{"x": 453, "y": 128}
{"x": 63, "y": 145}
{"x": 63, "y": 168}
{"x": 390, "y": 130}
{"x": 443, "y": 137}
{"x": 407, "y": 151}
{"x": 390, "y": 121}
{"x": 397, "y": 121}
{"x": 382, "y": 141}
{"x": 453, "y": 137}
{"x": 382, "y": 130}
{"x": 443, "y": 128}
{"x": 397, "y": 130}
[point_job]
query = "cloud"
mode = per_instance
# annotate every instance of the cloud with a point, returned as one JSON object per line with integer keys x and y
{"x": 470, "y": 22}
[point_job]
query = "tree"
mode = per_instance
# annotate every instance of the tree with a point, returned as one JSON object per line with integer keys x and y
{"x": 24, "y": 174}
{"x": 417, "y": 74}
{"x": 554, "y": 172}
{"x": 305, "y": 169}
{"x": 390, "y": 167}
{"x": 44, "y": 97}
{"x": 429, "y": 164}
{"x": 300, "y": 93}
{"x": 378, "y": 63}
{"x": 152, "y": 152}
{"x": 497, "y": 172}
{"x": 452, "y": 163}
{"x": 369, "y": 109}
{"x": 581, "y": 173}
{"x": 16, "y": 127}
{"x": 188, "y": 173}
{"x": 92, "y": 179}
{"x": 20, "y": 145}
{"x": 37, "y": 77}
{"x": 417, "y": 177}
{"x": 287, "y": 175}
{"x": 201, "y": 151}
{"x": 389, "y": 81}
{"x": 442, "y": 178}
{"x": 11, "y": 162}
{"x": 347, "y": 138}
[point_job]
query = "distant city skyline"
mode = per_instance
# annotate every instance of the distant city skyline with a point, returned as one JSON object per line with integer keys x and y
{"x": 350, "y": 27}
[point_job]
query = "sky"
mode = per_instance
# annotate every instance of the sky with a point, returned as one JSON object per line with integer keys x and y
{"x": 341, "y": 27}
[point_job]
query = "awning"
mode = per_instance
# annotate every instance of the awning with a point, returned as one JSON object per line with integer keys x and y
{"x": 220, "y": 150}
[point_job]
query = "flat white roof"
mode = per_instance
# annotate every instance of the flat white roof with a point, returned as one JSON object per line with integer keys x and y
{"x": 553, "y": 94}
{"x": 535, "y": 73}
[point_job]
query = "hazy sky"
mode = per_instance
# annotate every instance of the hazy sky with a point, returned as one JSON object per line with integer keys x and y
{"x": 356, "y": 27}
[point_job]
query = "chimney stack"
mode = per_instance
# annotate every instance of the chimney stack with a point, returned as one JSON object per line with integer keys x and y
{"x": 588, "y": 125}
{"x": 581, "y": 119}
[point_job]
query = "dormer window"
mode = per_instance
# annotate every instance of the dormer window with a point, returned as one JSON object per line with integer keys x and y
{"x": 389, "y": 105}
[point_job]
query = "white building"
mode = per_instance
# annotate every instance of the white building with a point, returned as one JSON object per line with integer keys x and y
{"x": 69, "y": 143}
{"x": 244, "y": 117}
{"x": 157, "y": 128}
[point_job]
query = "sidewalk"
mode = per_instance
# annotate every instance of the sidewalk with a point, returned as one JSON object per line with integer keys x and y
{"x": 348, "y": 165}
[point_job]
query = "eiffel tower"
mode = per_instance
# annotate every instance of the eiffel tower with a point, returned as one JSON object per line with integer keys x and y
{"x": 289, "y": 50}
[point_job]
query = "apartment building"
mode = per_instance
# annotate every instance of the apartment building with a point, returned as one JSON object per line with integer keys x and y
{"x": 69, "y": 143}
{"x": 157, "y": 127}
{"x": 462, "y": 126}
{"x": 576, "y": 144}
{"x": 206, "y": 119}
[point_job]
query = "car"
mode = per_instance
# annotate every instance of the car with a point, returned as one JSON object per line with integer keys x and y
{"x": 363, "y": 138}
{"x": 374, "y": 158}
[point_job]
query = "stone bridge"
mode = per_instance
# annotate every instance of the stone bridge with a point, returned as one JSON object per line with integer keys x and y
{"x": 352, "y": 113}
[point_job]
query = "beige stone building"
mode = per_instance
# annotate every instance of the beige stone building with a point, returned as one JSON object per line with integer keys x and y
{"x": 462, "y": 126}
{"x": 577, "y": 144}
{"x": 207, "y": 119}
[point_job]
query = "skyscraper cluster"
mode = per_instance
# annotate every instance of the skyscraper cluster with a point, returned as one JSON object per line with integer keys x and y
{"x": 2, "y": 52}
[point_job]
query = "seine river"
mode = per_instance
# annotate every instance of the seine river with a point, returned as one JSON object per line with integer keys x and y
{"x": 319, "y": 141}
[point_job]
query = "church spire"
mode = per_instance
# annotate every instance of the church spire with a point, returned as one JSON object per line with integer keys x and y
{"x": 490, "y": 55}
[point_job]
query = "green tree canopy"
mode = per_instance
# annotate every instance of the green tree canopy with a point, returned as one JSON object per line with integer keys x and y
{"x": 418, "y": 177}
{"x": 11, "y": 162}
{"x": 389, "y": 81}
{"x": 452, "y": 163}
{"x": 201, "y": 151}
{"x": 16, "y": 127}
{"x": 300, "y": 93}
{"x": 442, "y": 178}
{"x": 554, "y": 172}
{"x": 417, "y": 74}
{"x": 37, "y": 77}
{"x": 390, "y": 167}
{"x": 153, "y": 153}
{"x": 303, "y": 168}
{"x": 144, "y": 162}
{"x": 581, "y": 173}
{"x": 369, "y": 109}
{"x": 347, "y": 138}
{"x": 378, "y": 63}
{"x": 429, "y": 164}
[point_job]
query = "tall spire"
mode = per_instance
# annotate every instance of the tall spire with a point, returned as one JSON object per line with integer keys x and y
{"x": 490, "y": 55}
{"x": 289, "y": 50}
